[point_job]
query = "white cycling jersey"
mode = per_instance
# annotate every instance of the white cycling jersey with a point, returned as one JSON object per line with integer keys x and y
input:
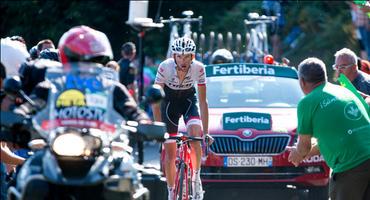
{"x": 167, "y": 74}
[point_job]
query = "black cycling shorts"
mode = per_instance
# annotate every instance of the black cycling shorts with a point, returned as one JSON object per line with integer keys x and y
{"x": 173, "y": 110}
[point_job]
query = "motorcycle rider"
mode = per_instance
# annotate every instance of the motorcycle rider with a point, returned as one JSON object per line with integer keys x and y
{"x": 84, "y": 44}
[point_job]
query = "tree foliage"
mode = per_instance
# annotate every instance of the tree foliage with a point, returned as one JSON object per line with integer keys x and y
{"x": 326, "y": 24}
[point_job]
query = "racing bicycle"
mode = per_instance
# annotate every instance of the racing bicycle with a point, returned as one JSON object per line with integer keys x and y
{"x": 184, "y": 166}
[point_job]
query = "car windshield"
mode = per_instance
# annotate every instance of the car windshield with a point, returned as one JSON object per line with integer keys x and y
{"x": 253, "y": 91}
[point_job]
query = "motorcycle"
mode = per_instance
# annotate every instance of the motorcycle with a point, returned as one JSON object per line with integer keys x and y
{"x": 79, "y": 142}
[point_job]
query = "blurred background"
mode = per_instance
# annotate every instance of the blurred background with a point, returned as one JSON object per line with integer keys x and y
{"x": 309, "y": 28}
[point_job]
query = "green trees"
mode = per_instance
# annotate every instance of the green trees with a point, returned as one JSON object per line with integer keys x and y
{"x": 326, "y": 25}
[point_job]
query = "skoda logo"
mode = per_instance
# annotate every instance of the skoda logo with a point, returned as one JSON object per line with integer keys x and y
{"x": 247, "y": 133}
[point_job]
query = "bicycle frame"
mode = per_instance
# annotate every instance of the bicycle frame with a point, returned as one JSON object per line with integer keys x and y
{"x": 184, "y": 171}
{"x": 184, "y": 167}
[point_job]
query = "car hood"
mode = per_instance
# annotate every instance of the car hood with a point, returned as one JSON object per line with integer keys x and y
{"x": 283, "y": 120}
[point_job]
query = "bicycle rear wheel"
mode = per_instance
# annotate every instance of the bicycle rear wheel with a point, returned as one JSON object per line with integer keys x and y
{"x": 179, "y": 184}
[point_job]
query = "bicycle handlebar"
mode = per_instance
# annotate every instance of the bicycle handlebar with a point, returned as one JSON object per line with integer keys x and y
{"x": 182, "y": 137}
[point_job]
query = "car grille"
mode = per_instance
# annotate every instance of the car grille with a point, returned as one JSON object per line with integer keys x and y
{"x": 259, "y": 145}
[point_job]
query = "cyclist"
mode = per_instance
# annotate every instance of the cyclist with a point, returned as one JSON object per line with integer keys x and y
{"x": 178, "y": 75}
{"x": 222, "y": 56}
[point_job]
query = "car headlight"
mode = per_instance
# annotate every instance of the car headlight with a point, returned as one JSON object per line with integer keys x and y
{"x": 75, "y": 144}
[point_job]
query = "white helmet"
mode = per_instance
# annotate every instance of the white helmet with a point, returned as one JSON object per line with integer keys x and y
{"x": 222, "y": 56}
{"x": 183, "y": 45}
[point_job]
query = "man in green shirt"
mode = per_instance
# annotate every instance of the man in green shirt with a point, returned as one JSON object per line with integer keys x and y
{"x": 336, "y": 117}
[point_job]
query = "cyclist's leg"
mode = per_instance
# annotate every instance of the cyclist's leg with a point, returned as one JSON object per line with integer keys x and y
{"x": 170, "y": 118}
{"x": 194, "y": 128}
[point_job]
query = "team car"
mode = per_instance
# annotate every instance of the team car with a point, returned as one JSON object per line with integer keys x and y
{"x": 252, "y": 118}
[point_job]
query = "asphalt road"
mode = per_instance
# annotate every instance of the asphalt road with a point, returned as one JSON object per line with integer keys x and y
{"x": 234, "y": 192}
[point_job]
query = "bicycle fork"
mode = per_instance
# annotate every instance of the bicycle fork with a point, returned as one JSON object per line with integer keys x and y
{"x": 184, "y": 174}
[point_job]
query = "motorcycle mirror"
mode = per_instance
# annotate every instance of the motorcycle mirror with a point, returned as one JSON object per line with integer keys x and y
{"x": 154, "y": 94}
{"x": 12, "y": 85}
{"x": 152, "y": 131}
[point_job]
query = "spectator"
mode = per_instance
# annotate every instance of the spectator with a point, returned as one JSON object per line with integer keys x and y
{"x": 7, "y": 157}
{"x": 13, "y": 54}
{"x": 128, "y": 70}
{"x": 50, "y": 53}
{"x": 19, "y": 39}
{"x": 362, "y": 23}
{"x": 341, "y": 124}
{"x": 363, "y": 65}
{"x": 45, "y": 44}
{"x": 113, "y": 65}
{"x": 33, "y": 53}
{"x": 346, "y": 63}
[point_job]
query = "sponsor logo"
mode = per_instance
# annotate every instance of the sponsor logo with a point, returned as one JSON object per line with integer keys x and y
{"x": 180, "y": 86}
{"x": 242, "y": 69}
{"x": 247, "y": 133}
{"x": 96, "y": 100}
{"x": 92, "y": 84}
{"x": 327, "y": 102}
{"x": 352, "y": 112}
{"x": 314, "y": 159}
{"x": 234, "y": 121}
{"x": 73, "y": 104}
{"x": 75, "y": 112}
{"x": 247, "y": 119}
{"x": 71, "y": 98}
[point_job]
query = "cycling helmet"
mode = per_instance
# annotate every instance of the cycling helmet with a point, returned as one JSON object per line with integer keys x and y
{"x": 83, "y": 43}
{"x": 222, "y": 56}
{"x": 51, "y": 54}
{"x": 183, "y": 45}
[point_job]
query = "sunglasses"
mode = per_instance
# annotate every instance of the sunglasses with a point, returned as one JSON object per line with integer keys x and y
{"x": 341, "y": 67}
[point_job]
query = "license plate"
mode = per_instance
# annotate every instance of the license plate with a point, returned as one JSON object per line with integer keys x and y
{"x": 248, "y": 161}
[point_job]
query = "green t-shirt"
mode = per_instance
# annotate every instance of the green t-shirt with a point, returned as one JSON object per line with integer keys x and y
{"x": 336, "y": 117}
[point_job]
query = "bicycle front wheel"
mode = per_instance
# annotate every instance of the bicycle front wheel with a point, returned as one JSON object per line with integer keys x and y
{"x": 179, "y": 184}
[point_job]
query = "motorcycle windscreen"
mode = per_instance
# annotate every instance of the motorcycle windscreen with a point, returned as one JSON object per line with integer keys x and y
{"x": 81, "y": 96}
